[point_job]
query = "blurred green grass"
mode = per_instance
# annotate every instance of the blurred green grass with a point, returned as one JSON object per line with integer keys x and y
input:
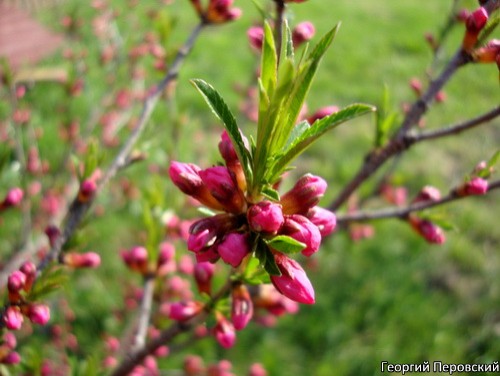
{"x": 393, "y": 297}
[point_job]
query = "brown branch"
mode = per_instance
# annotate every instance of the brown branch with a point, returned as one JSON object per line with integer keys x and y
{"x": 402, "y": 213}
{"x": 78, "y": 209}
{"x": 376, "y": 158}
{"x": 454, "y": 129}
{"x": 169, "y": 334}
{"x": 144, "y": 313}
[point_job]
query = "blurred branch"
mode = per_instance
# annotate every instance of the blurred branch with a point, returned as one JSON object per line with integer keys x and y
{"x": 376, "y": 158}
{"x": 144, "y": 313}
{"x": 454, "y": 129}
{"x": 402, "y": 213}
{"x": 78, "y": 209}
{"x": 169, "y": 334}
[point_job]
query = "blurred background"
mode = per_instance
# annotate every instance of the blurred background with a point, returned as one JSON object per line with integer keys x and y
{"x": 389, "y": 297}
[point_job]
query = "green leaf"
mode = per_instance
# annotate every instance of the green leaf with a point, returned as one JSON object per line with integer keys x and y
{"x": 385, "y": 120}
{"x": 485, "y": 173}
{"x": 266, "y": 258}
{"x": 286, "y": 244}
{"x": 269, "y": 64}
{"x": 493, "y": 22}
{"x": 290, "y": 111}
{"x": 48, "y": 282}
{"x": 271, "y": 193}
{"x": 221, "y": 110}
{"x": 308, "y": 136}
{"x": 287, "y": 43}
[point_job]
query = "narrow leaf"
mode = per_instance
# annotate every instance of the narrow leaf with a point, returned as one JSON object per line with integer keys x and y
{"x": 290, "y": 111}
{"x": 314, "y": 132}
{"x": 222, "y": 111}
{"x": 286, "y": 244}
{"x": 271, "y": 194}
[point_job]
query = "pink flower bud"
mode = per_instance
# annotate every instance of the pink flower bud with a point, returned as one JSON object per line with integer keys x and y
{"x": 241, "y": 306}
{"x": 204, "y": 232}
{"x": 488, "y": 53}
{"x": 265, "y": 216}
{"x": 227, "y": 150}
{"x": 13, "y": 198}
{"x": 224, "y": 332}
{"x": 9, "y": 340}
{"x": 416, "y": 86}
{"x": 182, "y": 311}
{"x": 323, "y": 219}
{"x": 427, "y": 193}
{"x": 303, "y": 230}
{"x": 477, "y": 20}
{"x": 13, "y": 318}
{"x": 257, "y": 369}
{"x": 88, "y": 188}
{"x": 53, "y": 234}
{"x": 475, "y": 186}
{"x": 82, "y": 260}
{"x": 136, "y": 259}
{"x": 428, "y": 230}
{"x": 16, "y": 281}
{"x": 293, "y": 282}
{"x": 203, "y": 239}
{"x": 305, "y": 194}
{"x": 474, "y": 24}
{"x": 203, "y": 273}
{"x": 322, "y": 112}
{"x": 222, "y": 184}
{"x": 303, "y": 32}
{"x": 187, "y": 178}
{"x": 193, "y": 365}
{"x": 11, "y": 358}
{"x": 233, "y": 248}
{"x": 166, "y": 263}
{"x": 209, "y": 254}
{"x": 255, "y": 36}
{"x": 38, "y": 314}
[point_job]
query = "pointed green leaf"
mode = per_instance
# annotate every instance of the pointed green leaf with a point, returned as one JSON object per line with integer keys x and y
{"x": 314, "y": 132}
{"x": 266, "y": 257}
{"x": 222, "y": 111}
{"x": 292, "y": 107}
{"x": 269, "y": 64}
{"x": 286, "y": 244}
{"x": 287, "y": 43}
{"x": 271, "y": 194}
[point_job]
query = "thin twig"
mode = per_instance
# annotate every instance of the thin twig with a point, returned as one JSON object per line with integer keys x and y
{"x": 454, "y": 129}
{"x": 78, "y": 209}
{"x": 169, "y": 334}
{"x": 375, "y": 159}
{"x": 403, "y": 212}
{"x": 144, "y": 313}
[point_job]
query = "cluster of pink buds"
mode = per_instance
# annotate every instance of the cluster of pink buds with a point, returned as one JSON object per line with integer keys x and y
{"x": 232, "y": 235}
{"x": 475, "y": 22}
{"x": 427, "y": 229}
{"x": 194, "y": 366}
{"x": 217, "y": 11}
{"x": 12, "y": 199}
{"x": 19, "y": 285}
